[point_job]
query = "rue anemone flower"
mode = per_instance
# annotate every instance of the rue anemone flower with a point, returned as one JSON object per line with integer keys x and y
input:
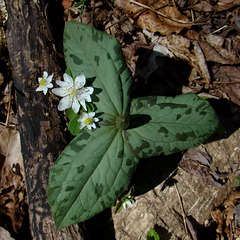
{"x": 88, "y": 120}
{"x": 73, "y": 92}
{"x": 44, "y": 83}
{"x": 128, "y": 203}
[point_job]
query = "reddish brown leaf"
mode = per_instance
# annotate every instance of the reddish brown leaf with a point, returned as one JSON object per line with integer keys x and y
{"x": 163, "y": 18}
{"x": 66, "y": 4}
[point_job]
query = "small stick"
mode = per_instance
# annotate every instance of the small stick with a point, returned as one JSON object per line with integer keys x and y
{"x": 138, "y": 11}
{"x": 161, "y": 14}
{"x": 218, "y": 30}
{"x": 9, "y": 104}
{"x": 219, "y": 82}
{"x": 182, "y": 209}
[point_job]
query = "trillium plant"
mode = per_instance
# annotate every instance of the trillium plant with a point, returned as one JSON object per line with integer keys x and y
{"x": 112, "y": 130}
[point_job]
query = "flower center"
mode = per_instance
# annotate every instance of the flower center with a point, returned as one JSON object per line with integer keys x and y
{"x": 42, "y": 82}
{"x": 88, "y": 121}
{"x": 73, "y": 92}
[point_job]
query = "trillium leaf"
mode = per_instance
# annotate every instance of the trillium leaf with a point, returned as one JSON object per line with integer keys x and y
{"x": 99, "y": 57}
{"x": 73, "y": 125}
{"x": 164, "y": 125}
{"x": 89, "y": 175}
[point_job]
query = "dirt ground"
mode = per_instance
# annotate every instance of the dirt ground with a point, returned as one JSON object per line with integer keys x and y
{"x": 171, "y": 47}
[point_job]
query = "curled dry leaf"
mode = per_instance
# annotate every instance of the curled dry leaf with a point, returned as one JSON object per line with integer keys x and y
{"x": 226, "y": 218}
{"x": 201, "y": 62}
{"x": 229, "y": 74}
{"x": 202, "y": 6}
{"x": 226, "y": 4}
{"x": 181, "y": 47}
{"x": 13, "y": 200}
{"x": 201, "y": 171}
{"x": 66, "y": 4}
{"x": 164, "y": 18}
{"x": 196, "y": 161}
{"x": 216, "y": 48}
{"x": 10, "y": 147}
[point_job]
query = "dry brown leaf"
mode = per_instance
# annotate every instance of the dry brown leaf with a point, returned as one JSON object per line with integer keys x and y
{"x": 173, "y": 21}
{"x": 181, "y": 46}
{"x": 226, "y": 4}
{"x": 66, "y": 4}
{"x": 201, "y": 171}
{"x": 13, "y": 199}
{"x": 10, "y": 147}
{"x": 225, "y": 219}
{"x": 201, "y": 62}
{"x": 202, "y": 6}
{"x": 12, "y": 188}
{"x": 229, "y": 74}
{"x": 232, "y": 200}
{"x": 216, "y": 48}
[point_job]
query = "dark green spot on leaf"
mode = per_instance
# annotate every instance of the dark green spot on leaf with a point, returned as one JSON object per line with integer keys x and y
{"x": 69, "y": 188}
{"x": 76, "y": 59}
{"x": 96, "y": 58}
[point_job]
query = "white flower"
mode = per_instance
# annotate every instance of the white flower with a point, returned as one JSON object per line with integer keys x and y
{"x": 88, "y": 120}
{"x": 128, "y": 203}
{"x": 45, "y": 83}
{"x": 73, "y": 92}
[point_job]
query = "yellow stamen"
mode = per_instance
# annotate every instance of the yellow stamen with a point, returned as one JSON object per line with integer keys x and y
{"x": 88, "y": 121}
{"x": 73, "y": 92}
{"x": 42, "y": 82}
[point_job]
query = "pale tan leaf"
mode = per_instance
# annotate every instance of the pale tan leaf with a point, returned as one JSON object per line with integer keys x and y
{"x": 201, "y": 62}
{"x": 10, "y": 146}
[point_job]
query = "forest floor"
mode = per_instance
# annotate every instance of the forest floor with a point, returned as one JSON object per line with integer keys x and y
{"x": 171, "y": 47}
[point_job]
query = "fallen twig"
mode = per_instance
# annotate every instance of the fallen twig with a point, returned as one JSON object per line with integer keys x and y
{"x": 161, "y": 14}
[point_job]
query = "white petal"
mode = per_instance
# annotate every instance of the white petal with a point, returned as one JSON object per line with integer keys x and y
{"x": 75, "y": 105}
{"x": 40, "y": 79}
{"x": 83, "y": 104}
{"x": 62, "y": 92}
{"x": 49, "y": 78}
{"x": 62, "y": 84}
{"x": 86, "y": 97}
{"x": 40, "y": 88}
{"x": 82, "y": 125}
{"x": 82, "y": 117}
{"x": 91, "y": 114}
{"x": 79, "y": 81}
{"x": 68, "y": 79}
{"x": 45, "y": 90}
{"x": 88, "y": 127}
{"x": 45, "y": 74}
{"x": 93, "y": 125}
{"x": 49, "y": 85}
{"x": 88, "y": 90}
{"x": 95, "y": 119}
{"x": 65, "y": 103}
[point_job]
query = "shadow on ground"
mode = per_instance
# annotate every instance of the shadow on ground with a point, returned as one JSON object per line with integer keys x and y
{"x": 166, "y": 80}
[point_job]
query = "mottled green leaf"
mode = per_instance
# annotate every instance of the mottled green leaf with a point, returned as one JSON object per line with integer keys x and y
{"x": 164, "y": 125}
{"x": 99, "y": 57}
{"x": 89, "y": 175}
